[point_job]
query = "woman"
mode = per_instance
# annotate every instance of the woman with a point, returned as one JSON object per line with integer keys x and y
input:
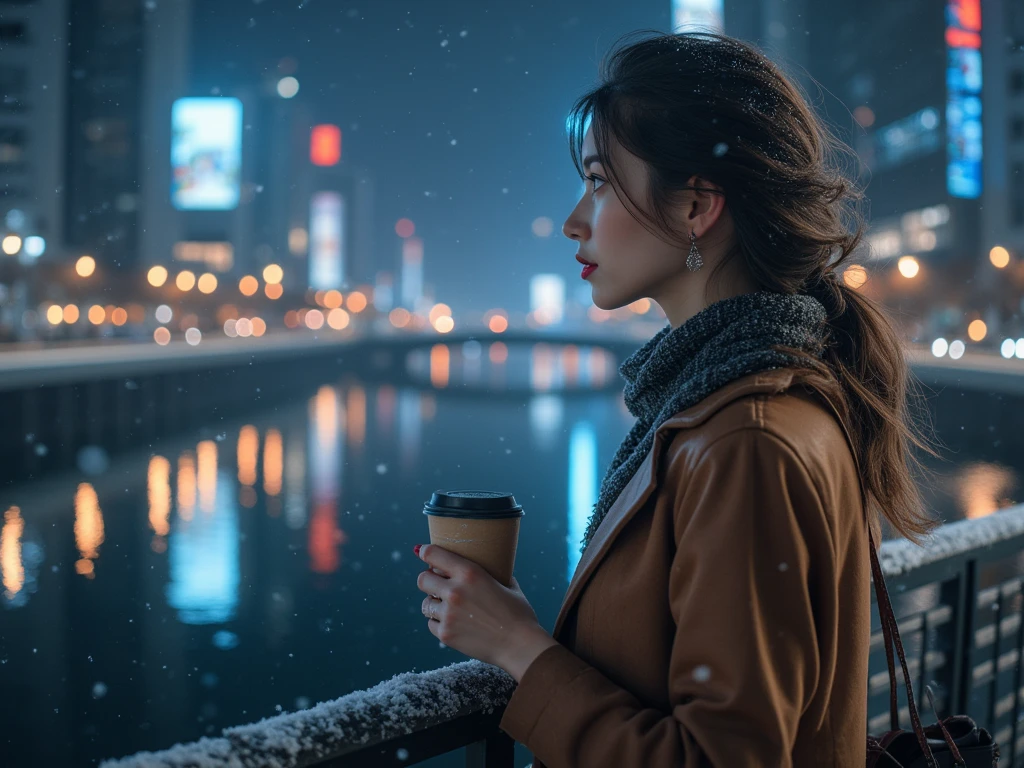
{"x": 720, "y": 614}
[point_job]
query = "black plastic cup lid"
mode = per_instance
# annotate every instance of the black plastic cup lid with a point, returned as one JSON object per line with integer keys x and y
{"x": 489, "y": 504}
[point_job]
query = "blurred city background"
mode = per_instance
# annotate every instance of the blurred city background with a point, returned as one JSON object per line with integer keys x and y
{"x": 272, "y": 272}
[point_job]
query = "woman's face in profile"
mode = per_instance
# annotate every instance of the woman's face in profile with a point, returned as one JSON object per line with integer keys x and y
{"x": 632, "y": 262}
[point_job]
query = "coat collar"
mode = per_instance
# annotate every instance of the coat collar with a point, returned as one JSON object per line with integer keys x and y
{"x": 643, "y": 481}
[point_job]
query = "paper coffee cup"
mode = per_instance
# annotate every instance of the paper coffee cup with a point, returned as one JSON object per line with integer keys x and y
{"x": 482, "y": 526}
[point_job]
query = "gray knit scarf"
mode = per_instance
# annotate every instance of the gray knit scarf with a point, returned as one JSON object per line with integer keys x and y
{"x": 678, "y": 368}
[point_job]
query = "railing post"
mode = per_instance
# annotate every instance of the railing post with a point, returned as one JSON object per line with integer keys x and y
{"x": 966, "y": 609}
{"x": 496, "y": 751}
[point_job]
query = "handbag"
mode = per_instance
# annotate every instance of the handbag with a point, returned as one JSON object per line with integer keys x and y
{"x": 952, "y": 742}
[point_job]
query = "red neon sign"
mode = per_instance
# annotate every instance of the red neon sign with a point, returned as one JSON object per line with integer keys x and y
{"x": 325, "y": 145}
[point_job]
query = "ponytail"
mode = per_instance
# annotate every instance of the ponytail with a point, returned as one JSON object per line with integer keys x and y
{"x": 866, "y": 358}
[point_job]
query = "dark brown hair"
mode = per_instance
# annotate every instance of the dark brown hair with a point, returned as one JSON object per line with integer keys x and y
{"x": 707, "y": 105}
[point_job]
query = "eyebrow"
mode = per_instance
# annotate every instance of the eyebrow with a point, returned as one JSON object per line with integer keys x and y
{"x": 591, "y": 159}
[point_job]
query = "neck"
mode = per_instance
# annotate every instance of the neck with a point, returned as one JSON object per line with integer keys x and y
{"x": 687, "y": 293}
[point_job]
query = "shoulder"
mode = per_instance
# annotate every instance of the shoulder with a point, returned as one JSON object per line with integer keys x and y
{"x": 794, "y": 426}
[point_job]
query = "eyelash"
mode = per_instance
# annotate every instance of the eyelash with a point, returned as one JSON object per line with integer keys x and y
{"x": 593, "y": 180}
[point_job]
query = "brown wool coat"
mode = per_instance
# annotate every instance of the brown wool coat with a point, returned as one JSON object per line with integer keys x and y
{"x": 721, "y": 614}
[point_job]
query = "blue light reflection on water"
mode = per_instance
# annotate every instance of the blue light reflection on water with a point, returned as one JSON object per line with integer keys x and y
{"x": 203, "y": 555}
{"x": 583, "y": 488}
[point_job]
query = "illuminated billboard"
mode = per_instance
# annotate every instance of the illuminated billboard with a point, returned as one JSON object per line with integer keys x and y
{"x": 326, "y": 240}
{"x": 206, "y": 153}
{"x": 706, "y": 14}
{"x": 963, "y": 98}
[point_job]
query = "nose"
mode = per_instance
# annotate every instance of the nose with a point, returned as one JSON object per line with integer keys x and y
{"x": 575, "y": 228}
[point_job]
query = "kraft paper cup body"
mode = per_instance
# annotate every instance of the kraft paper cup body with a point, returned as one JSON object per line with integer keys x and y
{"x": 482, "y": 526}
{"x": 490, "y": 543}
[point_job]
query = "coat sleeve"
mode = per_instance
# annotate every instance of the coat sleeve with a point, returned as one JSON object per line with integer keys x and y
{"x": 744, "y": 661}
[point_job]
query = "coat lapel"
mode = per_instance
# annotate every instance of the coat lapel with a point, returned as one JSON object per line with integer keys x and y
{"x": 643, "y": 482}
{"x": 621, "y": 511}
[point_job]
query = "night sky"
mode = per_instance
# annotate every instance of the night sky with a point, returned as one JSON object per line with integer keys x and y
{"x": 501, "y": 87}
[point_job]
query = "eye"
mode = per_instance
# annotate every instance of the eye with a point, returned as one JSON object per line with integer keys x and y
{"x": 594, "y": 179}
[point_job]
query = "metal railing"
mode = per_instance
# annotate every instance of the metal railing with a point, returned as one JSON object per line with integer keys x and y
{"x": 958, "y": 601}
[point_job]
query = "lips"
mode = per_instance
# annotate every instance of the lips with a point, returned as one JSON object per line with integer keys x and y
{"x": 581, "y": 260}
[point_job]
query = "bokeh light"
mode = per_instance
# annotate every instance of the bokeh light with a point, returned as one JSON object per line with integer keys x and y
{"x": 999, "y": 256}
{"x": 85, "y": 266}
{"x": 248, "y": 285}
{"x": 157, "y": 276}
{"x": 273, "y": 274}
{"x": 207, "y": 283}
{"x": 908, "y": 266}
{"x": 186, "y": 280}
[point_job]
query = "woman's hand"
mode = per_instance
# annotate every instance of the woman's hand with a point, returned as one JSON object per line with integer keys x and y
{"x": 477, "y": 615}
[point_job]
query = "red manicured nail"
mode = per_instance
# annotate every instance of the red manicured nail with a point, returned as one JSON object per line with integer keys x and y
{"x": 416, "y": 549}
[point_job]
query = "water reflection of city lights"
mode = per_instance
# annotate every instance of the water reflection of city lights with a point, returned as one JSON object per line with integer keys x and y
{"x": 497, "y": 352}
{"x": 439, "y": 365}
{"x": 295, "y": 475}
{"x": 158, "y": 484}
{"x": 21, "y": 554}
{"x": 273, "y": 462}
{"x": 204, "y": 564}
{"x": 12, "y": 569}
{"x": 248, "y": 451}
{"x": 88, "y": 529}
{"x": 983, "y": 488}
{"x": 325, "y": 461}
{"x": 186, "y": 486}
{"x": 354, "y": 415}
{"x": 206, "y": 457}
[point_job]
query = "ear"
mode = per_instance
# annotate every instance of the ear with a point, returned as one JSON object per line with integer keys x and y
{"x": 704, "y": 208}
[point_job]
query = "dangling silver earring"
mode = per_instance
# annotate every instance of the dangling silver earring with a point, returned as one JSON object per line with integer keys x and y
{"x": 694, "y": 261}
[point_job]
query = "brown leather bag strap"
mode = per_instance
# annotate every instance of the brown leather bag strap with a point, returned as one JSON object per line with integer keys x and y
{"x": 888, "y": 619}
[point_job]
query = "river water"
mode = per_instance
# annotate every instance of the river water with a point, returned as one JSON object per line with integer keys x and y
{"x": 260, "y": 566}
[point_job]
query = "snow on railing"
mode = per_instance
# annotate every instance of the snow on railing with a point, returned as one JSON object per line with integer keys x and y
{"x": 416, "y": 701}
{"x": 410, "y": 701}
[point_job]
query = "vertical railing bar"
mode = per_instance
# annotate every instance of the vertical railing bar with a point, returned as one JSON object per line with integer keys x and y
{"x": 964, "y": 650}
{"x": 924, "y": 653}
{"x": 1018, "y": 644}
{"x": 993, "y": 688}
